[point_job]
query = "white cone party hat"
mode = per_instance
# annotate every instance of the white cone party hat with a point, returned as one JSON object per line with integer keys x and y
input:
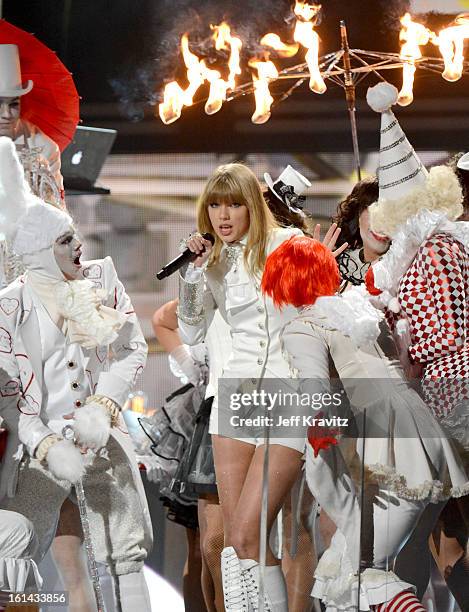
{"x": 405, "y": 186}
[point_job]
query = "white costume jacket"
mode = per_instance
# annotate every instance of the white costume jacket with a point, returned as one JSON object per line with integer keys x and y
{"x": 107, "y": 370}
{"x": 253, "y": 320}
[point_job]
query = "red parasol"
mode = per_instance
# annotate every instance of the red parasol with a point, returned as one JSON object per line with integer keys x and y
{"x": 53, "y": 103}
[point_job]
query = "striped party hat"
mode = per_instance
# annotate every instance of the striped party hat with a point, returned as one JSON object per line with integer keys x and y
{"x": 405, "y": 186}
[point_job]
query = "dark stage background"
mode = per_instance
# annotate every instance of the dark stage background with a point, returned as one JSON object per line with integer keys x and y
{"x": 122, "y": 51}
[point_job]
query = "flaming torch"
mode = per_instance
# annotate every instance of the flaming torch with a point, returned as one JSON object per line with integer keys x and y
{"x": 451, "y": 43}
{"x": 224, "y": 41}
{"x": 307, "y": 16}
{"x": 265, "y": 72}
{"x": 414, "y": 35}
{"x": 274, "y": 42}
{"x": 171, "y": 107}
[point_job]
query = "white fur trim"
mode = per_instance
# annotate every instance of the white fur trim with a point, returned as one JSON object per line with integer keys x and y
{"x": 381, "y": 97}
{"x": 440, "y": 193}
{"x": 92, "y": 425}
{"x": 65, "y": 461}
{"x": 351, "y": 313}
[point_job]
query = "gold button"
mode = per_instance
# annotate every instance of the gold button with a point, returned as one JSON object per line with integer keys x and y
{"x": 260, "y": 361}
{"x": 71, "y": 364}
{"x": 261, "y": 325}
{"x": 262, "y": 343}
{"x": 75, "y": 385}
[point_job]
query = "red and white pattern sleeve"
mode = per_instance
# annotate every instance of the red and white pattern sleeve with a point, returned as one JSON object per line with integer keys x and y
{"x": 437, "y": 317}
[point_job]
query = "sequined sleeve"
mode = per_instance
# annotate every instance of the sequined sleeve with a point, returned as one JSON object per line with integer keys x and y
{"x": 194, "y": 300}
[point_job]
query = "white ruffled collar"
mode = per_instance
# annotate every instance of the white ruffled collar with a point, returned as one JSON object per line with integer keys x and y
{"x": 350, "y": 313}
{"x": 390, "y": 268}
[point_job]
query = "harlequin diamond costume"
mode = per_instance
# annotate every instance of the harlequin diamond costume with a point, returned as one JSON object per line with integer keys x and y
{"x": 56, "y": 338}
{"x": 424, "y": 277}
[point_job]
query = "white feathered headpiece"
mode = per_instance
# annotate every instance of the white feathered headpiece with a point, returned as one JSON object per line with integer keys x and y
{"x": 27, "y": 221}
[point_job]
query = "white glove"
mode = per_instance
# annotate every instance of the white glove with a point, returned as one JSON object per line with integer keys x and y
{"x": 92, "y": 425}
{"x": 186, "y": 363}
{"x": 63, "y": 458}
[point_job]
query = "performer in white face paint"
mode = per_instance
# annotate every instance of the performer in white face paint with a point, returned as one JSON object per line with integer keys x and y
{"x": 59, "y": 324}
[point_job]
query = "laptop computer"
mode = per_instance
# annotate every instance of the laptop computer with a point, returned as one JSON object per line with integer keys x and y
{"x": 84, "y": 157}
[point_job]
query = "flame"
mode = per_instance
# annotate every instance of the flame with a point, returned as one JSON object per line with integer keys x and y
{"x": 265, "y": 72}
{"x": 305, "y": 35}
{"x": 413, "y": 35}
{"x": 451, "y": 43}
{"x": 274, "y": 42}
{"x": 218, "y": 87}
{"x": 195, "y": 71}
{"x": 173, "y": 101}
{"x": 224, "y": 41}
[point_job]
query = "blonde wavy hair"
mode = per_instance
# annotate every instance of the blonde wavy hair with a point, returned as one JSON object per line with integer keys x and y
{"x": 236, "y": 183}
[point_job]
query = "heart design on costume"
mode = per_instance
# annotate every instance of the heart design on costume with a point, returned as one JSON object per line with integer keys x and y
{"x": 5, "y": 341}
{"x": 132, "y": 346}
{"x": 138, "y": 371}
{"x": 28, "y": 405}
{"x": 9, "y": 305}
{"x": 93, "y": 385}
{"x": 12, "y": 387}
{"x": 101, "y": 353}
{"x": 92, "y": 272}
{"x": 26, "y": 372}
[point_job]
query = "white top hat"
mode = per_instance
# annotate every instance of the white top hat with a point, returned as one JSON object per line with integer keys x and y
{"x": 463, "y": 163}
{"x": 11, "y": 85}
{"x": 289, "y": 187}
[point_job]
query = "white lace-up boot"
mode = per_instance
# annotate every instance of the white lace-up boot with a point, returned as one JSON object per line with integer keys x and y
{"x": 234, "y": 591}
{"x": 275, "y": 591}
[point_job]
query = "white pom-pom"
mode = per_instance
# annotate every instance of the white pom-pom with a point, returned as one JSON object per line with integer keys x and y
{"x": 394, "y": 305}
{"x": 381, "y": 97}
{"x": 92, "y": 425}
{"x": 65, "y": 461}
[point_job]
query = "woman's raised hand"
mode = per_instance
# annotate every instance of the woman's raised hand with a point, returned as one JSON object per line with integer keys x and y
{"x": 330, "y": 238}
{"x": 197, "y": 244}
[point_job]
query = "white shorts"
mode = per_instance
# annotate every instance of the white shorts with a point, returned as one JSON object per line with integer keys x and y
{"x": 296, "y": 443}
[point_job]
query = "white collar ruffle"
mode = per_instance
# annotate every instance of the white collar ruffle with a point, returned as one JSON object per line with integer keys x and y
{"x": 351, "y": 313}
{"x": 391, "y": 267}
